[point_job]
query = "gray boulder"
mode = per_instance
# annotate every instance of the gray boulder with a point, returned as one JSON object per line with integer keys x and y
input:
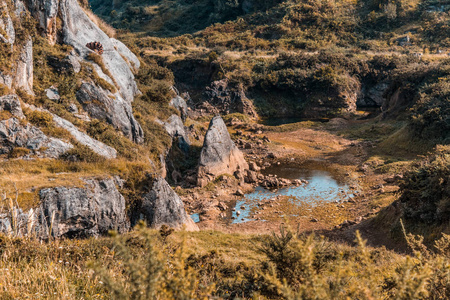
{"x": 162, "y": 206}
{"x": 176, "y": 129}
{"x": 24, "y": 69}
{"x": 92, "y": 210}
{"x": 11, "y": 103}
{"x": 14, "y": 134}
{"x": 103, "y": 105}
{"x": 52, "y": 93}
{"x": 20, "y": 8}
{"x": 179, "y": 103}
{"x": 79, "y": 30}
{"x": 69, "y": 64}
{"x": 219, "y": 153}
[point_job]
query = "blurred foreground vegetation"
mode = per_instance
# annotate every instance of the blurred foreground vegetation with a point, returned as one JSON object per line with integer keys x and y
{"x": 147, "y": 264}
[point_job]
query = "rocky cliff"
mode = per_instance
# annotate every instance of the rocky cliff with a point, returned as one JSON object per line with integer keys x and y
{"x": 52, "y": 85}
{"x": 65, "y": 22}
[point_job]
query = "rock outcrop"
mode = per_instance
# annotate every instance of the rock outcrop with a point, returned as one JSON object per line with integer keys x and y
{"x": 229, "y": 100}
{"x": 20, "y": 226}
{"x": 118, "y": 62}
{"x": 14, "y": 134}
{"x": 374, "y": 96}
{"x": 45, "y": 12}
{"x": 96, "y": 146}
{"x": 176, "y": 129}
{"x": 130, "y": 58}
{"x": 79, "y": 30}
{"x": 81, "y": 137}
{"x": 219, "y": 154}
{"x": 69, "y": 64}
{"x": 80, "y": 212}
{"x": 103, "y": 105}
{"x": 24, "y": 69}
{"x": 179, "y": 103}
{"x": 6, "y": 80}
{"x": 7, "y": 34}
{"x": 11, "y": 103}
{"x": 162, "y": 206}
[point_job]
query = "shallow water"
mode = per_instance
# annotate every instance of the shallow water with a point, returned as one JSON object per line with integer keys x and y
{"x": 195, "y": 217}
{"x": 323, "y": 186}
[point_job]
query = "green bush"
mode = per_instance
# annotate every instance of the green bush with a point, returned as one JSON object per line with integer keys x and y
{"x": 40, "y": 119}
{"x": 81, "y": 153}
{"x": 426, "y": 189}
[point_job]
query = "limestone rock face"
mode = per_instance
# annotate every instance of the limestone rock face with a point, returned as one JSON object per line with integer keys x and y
{"x": 175, "y": 128}
{"x": 179, "y": 103}
{"x": 11, "y": 103}
{"x": 219, "y": 153}
{"x": 6, "y": 80}
{"x": 78, "y": 30}
{"x": 80, "y": 212}
{"x": 130, "y": 57}
{"x": 229, "y": 100}
{"x": 13, "y": 134}
{"x": 8, "y": 34}
{"x": 162, "y": 206}
{"x": 24, "y": 69}
{"x": 116, "y": 111}
{"x": 45, "y": 12}
{"x": 96, "y": 146}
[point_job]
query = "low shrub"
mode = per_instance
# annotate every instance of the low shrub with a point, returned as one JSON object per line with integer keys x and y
{"x": 18, "y": 152}
{"x": 426, "y": 189}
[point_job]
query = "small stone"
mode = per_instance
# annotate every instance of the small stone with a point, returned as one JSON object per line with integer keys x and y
{"x": 53, "y": 94}
{"x": 73, "y": 108}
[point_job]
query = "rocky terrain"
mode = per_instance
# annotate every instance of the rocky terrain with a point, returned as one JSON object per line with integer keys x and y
{"x": 172, "y": 150}
{"x": 105, "y": 91}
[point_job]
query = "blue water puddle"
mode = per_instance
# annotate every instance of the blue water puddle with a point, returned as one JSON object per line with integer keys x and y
{"x": 195, "y": 217}
{"x": 322, "y": 187}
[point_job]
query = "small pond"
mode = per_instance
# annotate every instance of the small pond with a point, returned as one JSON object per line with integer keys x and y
{"x": 195, "y": 217}
{"x": 323, "y": 186}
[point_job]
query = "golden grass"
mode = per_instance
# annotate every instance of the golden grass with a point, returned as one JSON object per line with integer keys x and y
{"x": 228, "y": 263}
{"x": 109, "y": 30}
{"x": 58, "y": 269}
